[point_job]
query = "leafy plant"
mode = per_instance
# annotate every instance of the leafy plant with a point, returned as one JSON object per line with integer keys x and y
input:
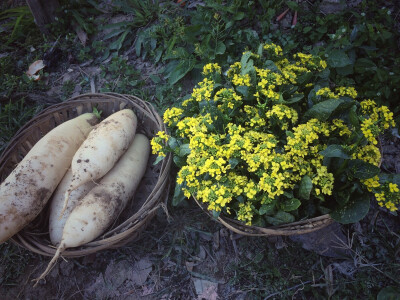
{"x": 360, "y": 47}
{"x": 121, "y": 77}
{"x": 272, "y": 143}
{"x": 13, "y": 115}
{"x": 16, "y": 23}
{"x": 215, "y": 31}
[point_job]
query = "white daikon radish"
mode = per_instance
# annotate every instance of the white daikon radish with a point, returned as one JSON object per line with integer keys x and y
{"x": 56, "y": 224}
{"x": 27, "y": 189}
{"x": 102, "y": 148}
{"x": 102, "y": 205}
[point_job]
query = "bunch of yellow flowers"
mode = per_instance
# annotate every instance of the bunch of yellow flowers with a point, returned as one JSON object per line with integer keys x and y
{"x": 272, "y": 142}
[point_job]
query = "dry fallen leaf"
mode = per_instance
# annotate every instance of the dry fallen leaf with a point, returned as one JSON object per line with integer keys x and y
{"x": 141, "y": 270}
{"x": 205, "y": 289}
{"x": 34, "y": 68}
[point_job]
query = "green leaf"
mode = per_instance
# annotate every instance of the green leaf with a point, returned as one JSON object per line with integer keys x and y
{"x": 279, "y": 218}
{"x": 269, "y": 64}
{"x": 179, "y": 161}
{"x": 361, "y": 169}
{"x": 323, "y": 110}
{"x": 389, "y": 293}
{"x": 354, "y": 210}
{"x": 305, "y": 187}
{"x": 180, "y": 71}
{"x": 353, "y": 118}
{"x": 173, "y": 143}
{"x": 364, "y": 65}
{"x": 266, "y": 209}
{"x": 393, "y": 178}
{"x": 178, "y": 195}
{"x": 290, "y": 204}
{"x": 245, "y": 58}
{"x": 294, "y": 99}
{"x": 354, "y": 33}
{"x": 158, "y": 159}
{"x": 220, "y": 49}
{"x": 216, "y": 214}
{"x": 139, "y": 42}
{"x": 239, "y": 16}
{"x": 156, "y": 79}
{"x": 248, "y": 67}
{"x": 293, "y": 5}
{"x": 342, "y": 197}
{"x": 244, "y": 90}
{"x": 346, "y": 70}
{"x": 335, "y": 151}
{"x": 233, "y": 162}
{"x": 338, "y": 59}
{"x": 184, "y": 150}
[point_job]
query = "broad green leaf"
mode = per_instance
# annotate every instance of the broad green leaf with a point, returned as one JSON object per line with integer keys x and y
{"x": 233, "y": 162}
{"x": 323, "y": 110}
{"x": 156, "y": 79}
{"x": 184, "y": 150}
{"x": 158, "y": 159}
{"x": 269, "y": 64}
{"x": 294, "y": 99}
{"x": 346, "y": 70}
{"x": 354, "y": 33}
{"x": 266, "y": 209}
{"x": 361, "y": 169}
{"x": 179, "y": 161}
{"x": 220, "y": 49}
{"x": 389, "y": 293}
{"x": 304, "y": 78}
{"x": 334, "y": 151}
{"x": 245, "y": 58}
{"x": 279, "y": 218}
{"x": 342, "y": 197}
{"x": 258, "y": 221}
{"x": 173, "y": 143}
{"x": 181, "y": 70}
{"x": 290, "y": 204}
{"x": 216, "y": 214}
{"x": 353, "y": 211}
{"x": 338, "y": 59}
{"x": 305, "y": 187}
{"x": 178, "y": 195}
{"x": 364, "y": 65}
{"x": 393, "y": 178}
{"x": 353, "y": 118}
{"x": 244, "y": 90}
{"x": 238, "y": 16}
{"x": 292, "y": 5}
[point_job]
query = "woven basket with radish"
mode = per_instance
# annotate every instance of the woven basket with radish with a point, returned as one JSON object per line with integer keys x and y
{"x": 80, "y": 177}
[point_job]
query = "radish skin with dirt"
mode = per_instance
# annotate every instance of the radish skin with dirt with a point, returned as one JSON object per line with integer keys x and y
{"x": 102, "y": 148}
{"x": 103, "y": 204}
{"x": 56, "y": 224}
{"x": 24, "y": 193}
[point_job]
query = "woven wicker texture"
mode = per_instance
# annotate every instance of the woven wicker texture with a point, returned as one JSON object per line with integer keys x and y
{"x": 150, "y": 196}
{"x": 295, "y": 228}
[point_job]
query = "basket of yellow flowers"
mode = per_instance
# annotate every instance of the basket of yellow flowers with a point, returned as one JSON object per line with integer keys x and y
{"x": 271, "y": 147}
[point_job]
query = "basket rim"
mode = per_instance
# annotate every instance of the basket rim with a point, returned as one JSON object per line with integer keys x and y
{"x": 293, "y": 228}
{"x": 128, "y": 229}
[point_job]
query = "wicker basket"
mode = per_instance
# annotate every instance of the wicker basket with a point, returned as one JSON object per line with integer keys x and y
{"x": 295, "y": 228}
{"x": 149, "y": 197}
